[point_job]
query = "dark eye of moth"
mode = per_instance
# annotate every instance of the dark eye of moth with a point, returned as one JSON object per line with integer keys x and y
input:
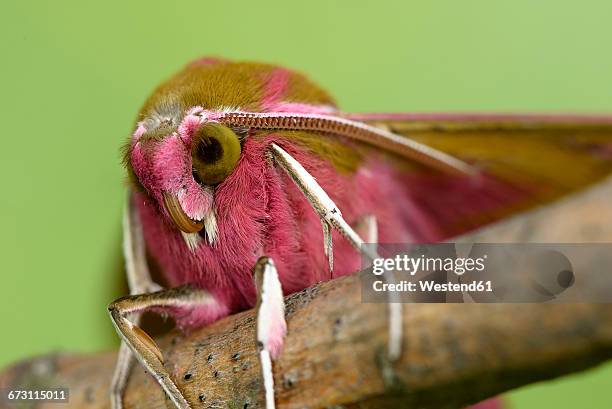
{"x": 215, "y": 151}
{"x": 209, "y": 150}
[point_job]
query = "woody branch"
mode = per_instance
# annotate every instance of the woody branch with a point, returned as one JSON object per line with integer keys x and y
{"x": 453, "y": 354}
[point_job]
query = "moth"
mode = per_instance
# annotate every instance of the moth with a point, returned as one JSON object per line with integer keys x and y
{"x": 248, "y": 183}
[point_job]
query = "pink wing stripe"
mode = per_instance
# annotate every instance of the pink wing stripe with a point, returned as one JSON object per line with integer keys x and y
{"x": 493, "y": 403}
{"x": 482, "y": 117}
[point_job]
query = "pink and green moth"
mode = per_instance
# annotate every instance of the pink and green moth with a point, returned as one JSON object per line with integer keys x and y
{"x": 248, "y": 182}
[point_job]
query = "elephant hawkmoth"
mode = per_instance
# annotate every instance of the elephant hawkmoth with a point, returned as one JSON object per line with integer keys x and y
{"x": 236, "y": 167}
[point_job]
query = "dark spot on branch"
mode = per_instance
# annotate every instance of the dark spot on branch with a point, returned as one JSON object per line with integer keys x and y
{"x": 337, "y": 326}
{"x": 288, "y": 381}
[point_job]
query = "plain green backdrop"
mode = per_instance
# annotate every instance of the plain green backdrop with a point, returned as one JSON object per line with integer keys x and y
{"x": 75, "y": 72}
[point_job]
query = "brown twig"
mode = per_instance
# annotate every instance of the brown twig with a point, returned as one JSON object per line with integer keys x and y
{"x": 453, "y": 354}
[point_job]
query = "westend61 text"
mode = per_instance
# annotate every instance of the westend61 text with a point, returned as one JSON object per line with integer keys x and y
{"x": 432, "y": 286}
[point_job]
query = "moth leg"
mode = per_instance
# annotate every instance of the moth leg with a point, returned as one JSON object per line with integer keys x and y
{"x": 271, "y": 325}
{"x": 367, "y": 227}
{"x": 322, "y": 204}
{"x": 329, "y": 213}
{"x": 125, "y": 360}
{"x": 139, "y": 281}
{"x": 328, "y": 245}
{"x": 142, "y": 346}
{"x": 136, "y": 267}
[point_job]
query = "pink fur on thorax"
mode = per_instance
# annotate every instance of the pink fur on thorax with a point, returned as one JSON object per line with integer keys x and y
{"x": 260, "y": 211}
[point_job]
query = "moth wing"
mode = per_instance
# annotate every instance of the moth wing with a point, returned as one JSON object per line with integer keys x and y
{"x": 524, "y": 161}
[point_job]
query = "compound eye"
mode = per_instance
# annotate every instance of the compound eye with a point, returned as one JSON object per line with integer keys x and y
{"x": 215, "y": 152}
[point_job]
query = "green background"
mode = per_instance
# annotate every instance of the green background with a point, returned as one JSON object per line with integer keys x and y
{"x": 74, "y": 74}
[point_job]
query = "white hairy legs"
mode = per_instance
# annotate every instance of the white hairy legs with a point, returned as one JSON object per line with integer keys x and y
{"x": 330, "y": 217}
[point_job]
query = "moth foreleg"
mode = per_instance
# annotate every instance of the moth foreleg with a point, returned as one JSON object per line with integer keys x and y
{"x": 136, "y": 267}
{"x": 139, "y": 281}
{"x": 367, "y": 227}
{"x": 271, "y": 325}
{"x": 321, "y": 203}
{"x": 125, "y": 359}
{"x": 329, "y": 213}
{"x": 142, "y": 346}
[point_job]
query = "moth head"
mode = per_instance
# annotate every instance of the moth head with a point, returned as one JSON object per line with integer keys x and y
{"x": 179, "y": 157}
{"x": 180, "y": 162}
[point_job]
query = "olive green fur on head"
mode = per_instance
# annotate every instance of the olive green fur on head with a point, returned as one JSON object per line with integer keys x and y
{"x": 228, "y": 84}
{"x": 343, "y": 156}
{"x": 223, "y": 85}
